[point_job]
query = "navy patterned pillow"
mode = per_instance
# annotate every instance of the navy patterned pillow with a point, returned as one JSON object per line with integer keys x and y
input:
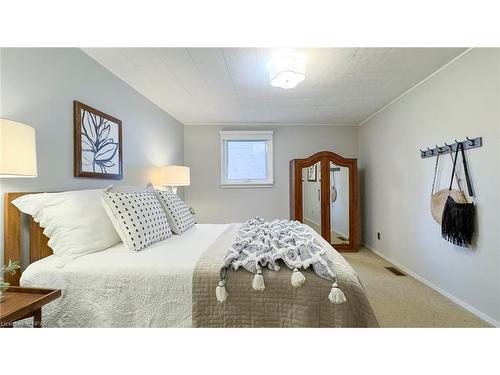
{"x": 138, "y": 217}
{"x": 178, "y": 215}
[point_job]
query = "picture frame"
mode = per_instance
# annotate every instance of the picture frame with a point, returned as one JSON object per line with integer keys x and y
{"x": 312, "y": 173}
{"x": 97, "y": 144}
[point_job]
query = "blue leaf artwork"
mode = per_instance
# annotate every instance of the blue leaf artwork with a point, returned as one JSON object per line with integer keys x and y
{"x": 99, "y": 144}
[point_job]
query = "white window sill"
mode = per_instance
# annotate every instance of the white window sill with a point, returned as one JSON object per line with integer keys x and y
{"x": 245, "y": 186}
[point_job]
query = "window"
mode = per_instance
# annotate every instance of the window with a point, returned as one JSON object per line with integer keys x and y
{"x": 246, "y": 158}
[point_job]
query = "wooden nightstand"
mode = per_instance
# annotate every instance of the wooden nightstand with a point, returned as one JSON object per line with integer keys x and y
{"x": 21, "y": 303}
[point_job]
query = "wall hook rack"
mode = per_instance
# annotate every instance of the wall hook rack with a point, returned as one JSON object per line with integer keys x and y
{"x": 440, "y": 150}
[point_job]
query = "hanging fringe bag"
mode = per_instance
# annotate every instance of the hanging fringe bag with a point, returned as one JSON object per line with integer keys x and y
{"x": 439, "y": 198}
{"x": 458, "y": 218}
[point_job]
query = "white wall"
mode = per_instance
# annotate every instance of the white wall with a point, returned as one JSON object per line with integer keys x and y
{"x": 38, "y": 86}
{"x": 216, "y": 205}
{"x": 461, "y": 100}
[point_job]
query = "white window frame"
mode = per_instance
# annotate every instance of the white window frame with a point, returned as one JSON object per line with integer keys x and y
{"x": 238, "y": 135}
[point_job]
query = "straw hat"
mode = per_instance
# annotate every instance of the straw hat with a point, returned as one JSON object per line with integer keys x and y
{"x": 438, "y": 201}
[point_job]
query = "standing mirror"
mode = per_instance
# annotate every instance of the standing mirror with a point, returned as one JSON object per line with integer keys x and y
{"x": 323, "y": 195}
{"x": 311, "y": 196}
{"x": 339, "y": 204}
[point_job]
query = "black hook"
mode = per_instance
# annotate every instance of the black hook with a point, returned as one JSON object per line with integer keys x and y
{"x": 472, "y": 142}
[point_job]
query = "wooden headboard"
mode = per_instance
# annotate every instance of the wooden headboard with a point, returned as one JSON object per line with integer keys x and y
{"x": 13, "y": 237}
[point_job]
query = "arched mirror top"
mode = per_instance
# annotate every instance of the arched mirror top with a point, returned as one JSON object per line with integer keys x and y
{"x": 331, "y": 156}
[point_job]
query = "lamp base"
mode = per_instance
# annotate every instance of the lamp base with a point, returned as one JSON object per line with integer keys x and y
{"x": 173, "y": 189}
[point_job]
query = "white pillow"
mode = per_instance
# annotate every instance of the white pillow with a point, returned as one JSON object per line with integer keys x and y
{"x": 74, "y": 221}
{"x": 138, "y": 217}
{"x": 129, "y": 188}
{"x": 179, "y": 217}
{"x": 121, "y": 189}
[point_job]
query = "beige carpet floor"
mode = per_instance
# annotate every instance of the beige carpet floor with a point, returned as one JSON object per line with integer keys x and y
{"x": 402, "y": 301}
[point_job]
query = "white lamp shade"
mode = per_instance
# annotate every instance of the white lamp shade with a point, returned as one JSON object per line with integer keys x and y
{"x": 17, "y": 149}
{"x": 175, "y": 175}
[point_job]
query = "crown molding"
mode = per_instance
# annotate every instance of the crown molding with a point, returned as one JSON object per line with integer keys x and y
{"x": 236, "y": 124}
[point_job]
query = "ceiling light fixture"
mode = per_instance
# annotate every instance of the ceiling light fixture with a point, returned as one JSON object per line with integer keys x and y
{"x": 287, "y": 70}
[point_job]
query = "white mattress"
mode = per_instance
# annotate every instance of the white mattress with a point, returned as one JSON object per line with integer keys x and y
{"x": 117, "y": 287}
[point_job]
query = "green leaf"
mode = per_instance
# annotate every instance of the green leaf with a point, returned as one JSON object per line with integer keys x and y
{"x": 11, "y": 267}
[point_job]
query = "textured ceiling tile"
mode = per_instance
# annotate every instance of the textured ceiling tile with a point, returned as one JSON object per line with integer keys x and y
{"x": 206, "y": 55}
{"x": 248, "y": 55}
{"x": 173, "y": 55}
{"x": 224, "y": 85}
{"x": 190, "y": 77}
{"x": 216, "y": 75}
{"x": 141, "y": 57}
{"x": 245, "y": 75}
{"x": 163, "y": 77}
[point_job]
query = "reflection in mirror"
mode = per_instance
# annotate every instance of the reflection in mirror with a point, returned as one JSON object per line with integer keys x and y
{"x": 339, "y": 204}
{"x": 311, "y": 196}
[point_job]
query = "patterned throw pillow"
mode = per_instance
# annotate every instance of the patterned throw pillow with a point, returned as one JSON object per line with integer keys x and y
{"x": 178, "y": 215}
{"x": 138, "y": 217}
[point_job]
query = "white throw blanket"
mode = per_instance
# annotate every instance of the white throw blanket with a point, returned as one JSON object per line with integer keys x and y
{"x": 261, "y": 243}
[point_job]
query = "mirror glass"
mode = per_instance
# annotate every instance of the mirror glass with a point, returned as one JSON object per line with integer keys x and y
{"x": 339, "y": 204}
{"x": 311, "y": 196}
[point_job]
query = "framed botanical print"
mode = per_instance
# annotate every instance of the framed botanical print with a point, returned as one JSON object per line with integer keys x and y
{"x": 98, "y": 143}
{"x": 312, "y": 173}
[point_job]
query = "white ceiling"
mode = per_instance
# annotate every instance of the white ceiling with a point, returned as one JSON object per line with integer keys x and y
{"x": 231, "y": 85}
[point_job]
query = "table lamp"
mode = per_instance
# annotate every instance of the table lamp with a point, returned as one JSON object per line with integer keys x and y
{"x": 17, "y": 150}
{"x": 173, "y": 176}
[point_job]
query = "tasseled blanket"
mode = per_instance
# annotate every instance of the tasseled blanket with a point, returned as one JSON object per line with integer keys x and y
{"x": 261, "y": 243}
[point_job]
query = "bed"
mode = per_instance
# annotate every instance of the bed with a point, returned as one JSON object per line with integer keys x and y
{"x": 172, "y": 284}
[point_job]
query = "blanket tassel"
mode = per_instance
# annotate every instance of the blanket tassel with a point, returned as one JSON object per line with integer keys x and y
{"x": 298, "y": 279}
{"x": 258, "y": 281}
{"x": 221, "y": 293}
{"x": 336, "y": 296}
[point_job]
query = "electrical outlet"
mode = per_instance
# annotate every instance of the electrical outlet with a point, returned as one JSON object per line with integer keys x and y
{"x": 378, "y": 235}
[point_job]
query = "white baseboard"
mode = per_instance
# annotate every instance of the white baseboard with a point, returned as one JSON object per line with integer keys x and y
{"x": 318, "y": 225}
{"x": 311, "y": 221}
{"x": 342, "y": 234}
{"x": 458, "y": 301}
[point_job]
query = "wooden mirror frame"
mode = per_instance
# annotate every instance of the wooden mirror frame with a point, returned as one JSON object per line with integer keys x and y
{"x": 296, "y": 208}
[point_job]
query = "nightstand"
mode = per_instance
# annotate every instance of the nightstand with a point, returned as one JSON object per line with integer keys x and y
{"x": 21, "y": 303}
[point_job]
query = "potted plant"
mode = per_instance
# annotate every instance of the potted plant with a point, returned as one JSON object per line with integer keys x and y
{"x": 10, "y": 268}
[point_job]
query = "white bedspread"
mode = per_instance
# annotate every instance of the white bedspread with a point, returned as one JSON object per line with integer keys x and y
{"x": 122, "y": 288}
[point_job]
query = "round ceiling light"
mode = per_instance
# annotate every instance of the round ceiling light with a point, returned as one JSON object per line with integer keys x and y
{"x": 287, "y": 70}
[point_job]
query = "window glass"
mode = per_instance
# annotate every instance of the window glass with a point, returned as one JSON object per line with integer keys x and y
{"x": 246, "y": 160}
